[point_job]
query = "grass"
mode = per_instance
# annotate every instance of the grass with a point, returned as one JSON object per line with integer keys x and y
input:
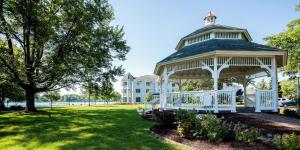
{"x": 78, "y": 127}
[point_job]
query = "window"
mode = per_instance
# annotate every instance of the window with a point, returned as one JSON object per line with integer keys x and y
{"x": 173, "y": 84}
{"x": 124, "y": 83}
{"x": 137, "y": 90}
{"x": 148, "y": 83}
{"x": 124, "y": 91}
{"x": 147, "y": 90}
{"x": 124, "y": 99}
{"x": 138, "y": 99}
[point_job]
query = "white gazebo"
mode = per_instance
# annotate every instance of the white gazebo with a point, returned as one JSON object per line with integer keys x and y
{"x": 217, "y": 51}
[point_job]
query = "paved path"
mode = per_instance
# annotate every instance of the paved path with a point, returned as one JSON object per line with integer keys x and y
{"x": 276, "y": 120}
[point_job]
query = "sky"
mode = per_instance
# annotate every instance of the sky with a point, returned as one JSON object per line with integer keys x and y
{"x": 154, "y": 27}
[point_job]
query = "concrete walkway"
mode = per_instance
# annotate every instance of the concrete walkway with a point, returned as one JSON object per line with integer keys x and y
{"x": 276, "y": 120}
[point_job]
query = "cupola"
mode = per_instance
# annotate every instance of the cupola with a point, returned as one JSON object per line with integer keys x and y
{"x": 210, "y": 19}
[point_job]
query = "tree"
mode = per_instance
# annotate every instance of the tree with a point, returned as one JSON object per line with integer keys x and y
{"x": 47, "y": 45}
{"x": 116, "y": 96}
{"x": 289, "y": 40}
{"x": 262, "y": 85}
{"x": 197, "y": 85}
{"x": 52, "y": 96}
{"x": 148, "y": 96}
{"x": 288, "y": 88}
{"x": 10, "y": 91}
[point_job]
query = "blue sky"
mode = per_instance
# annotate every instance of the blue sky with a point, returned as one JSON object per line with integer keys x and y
{"x": 154, "y": 27}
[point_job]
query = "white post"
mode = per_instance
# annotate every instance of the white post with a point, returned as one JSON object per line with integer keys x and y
{"x": 233, "y": 103}
{"x": 164, "y": 89}
{"x": 257, "y": 101}
{"x": 274, "y": 85}
{"x": 215, "y": 77}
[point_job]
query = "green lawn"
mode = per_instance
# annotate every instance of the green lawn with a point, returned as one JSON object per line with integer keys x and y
{"x": 79, "y": 127}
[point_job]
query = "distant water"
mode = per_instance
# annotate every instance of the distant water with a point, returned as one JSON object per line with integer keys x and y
{"x": 45, "y": 104}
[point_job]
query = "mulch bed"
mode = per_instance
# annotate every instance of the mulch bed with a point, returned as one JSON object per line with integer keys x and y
{"x": 171, "y": 134}
{"x": 269, "y": 126}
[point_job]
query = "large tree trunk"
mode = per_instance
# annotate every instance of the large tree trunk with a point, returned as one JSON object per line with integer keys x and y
{"x": 30, "y": 100}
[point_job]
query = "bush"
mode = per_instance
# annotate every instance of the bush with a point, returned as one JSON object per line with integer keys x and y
{"x": 18, "y": 107}
{"x": 186, "y": 120}
{"x": 165, "y": 118}
{"x": 291, "y": 113}
{"x": 213, "y": 128}
{"x": 244, "y": 133}
{"x": 288, "y": 142}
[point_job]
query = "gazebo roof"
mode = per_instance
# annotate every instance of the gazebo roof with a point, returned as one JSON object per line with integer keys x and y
{"x": 212, "y": 27}
{"x": 217, "y": 44}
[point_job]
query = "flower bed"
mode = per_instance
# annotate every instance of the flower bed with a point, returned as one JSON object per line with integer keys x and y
{"x": 191, "y": 128}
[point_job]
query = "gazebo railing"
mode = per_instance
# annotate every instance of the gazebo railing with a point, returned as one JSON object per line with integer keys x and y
{"x": 264, "y": 100}
{"x": 201, "y": 100}
{"x": 190, "y": 100}
{"x": 226, "y": 100}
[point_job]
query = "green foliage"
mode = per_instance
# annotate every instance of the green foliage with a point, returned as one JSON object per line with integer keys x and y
{"x": 116, "y": 96}
{"x": 148, "y": 96}
{"x": 196, "y": 85}
{"x": 262, "y": 85}
{"x": 289, "y": 40}
{"x": 11, "y": 91}
{"x": 291, "y": 113}
{"x": 165, "y": 118}
{"x": 46, "y": 45}
{"x": 244, "y": 133}
{"x": 215, "y": 129}
{"x": 52, "y": 96}
{"x": 186, "y": 120}
{"x": 289, "y": 88}
{"x": 288, "y": 142}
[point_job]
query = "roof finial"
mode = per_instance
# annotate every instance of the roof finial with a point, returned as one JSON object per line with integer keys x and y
{"x": 209, "y": 19}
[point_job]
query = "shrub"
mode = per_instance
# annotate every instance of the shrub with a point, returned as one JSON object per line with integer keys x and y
{"x": 213, "y": 128}
{"x": 18, "y": 107}
{"x": 288, "y": 142}
{"x": 186, "y": 120}
{"x": 291, "y": 113}
{"x": 165, "y": 118}
{"x": 244, "y": 133}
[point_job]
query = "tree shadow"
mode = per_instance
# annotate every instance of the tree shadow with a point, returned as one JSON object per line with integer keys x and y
{"x": 98, "y": 128}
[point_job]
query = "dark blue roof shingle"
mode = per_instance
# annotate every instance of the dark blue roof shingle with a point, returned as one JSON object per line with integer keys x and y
{"x": 218, "y": 44}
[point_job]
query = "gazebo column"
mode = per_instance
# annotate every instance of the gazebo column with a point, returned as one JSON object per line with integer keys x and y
{"x": 274, "y": 84}
{"x": 215, "y": 77}
{"x": 164, "y": 89}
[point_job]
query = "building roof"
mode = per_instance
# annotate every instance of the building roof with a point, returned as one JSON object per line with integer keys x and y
{"x": 128, "y": 76}
{"x": 152, "y": 78}
{"x": 218, "y": 44}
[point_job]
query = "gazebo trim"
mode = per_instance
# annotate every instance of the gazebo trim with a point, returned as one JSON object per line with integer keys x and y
{"x": 242, "y": 53}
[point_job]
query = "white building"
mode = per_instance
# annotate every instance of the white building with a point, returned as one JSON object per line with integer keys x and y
{"x": 134, "y": 89}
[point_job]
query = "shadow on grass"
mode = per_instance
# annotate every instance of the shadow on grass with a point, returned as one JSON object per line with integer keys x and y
{"x": 83, "y": 128}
